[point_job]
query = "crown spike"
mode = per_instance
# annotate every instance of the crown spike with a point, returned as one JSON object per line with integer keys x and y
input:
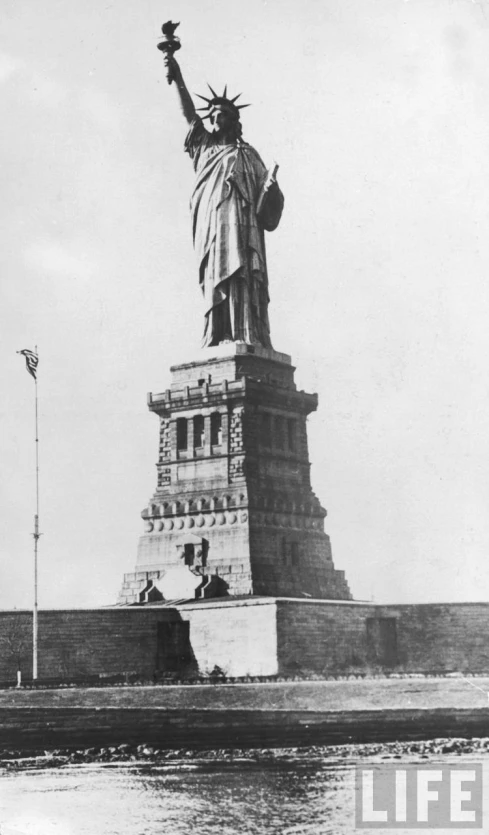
{"x": 212, "y": 91}
{"x": 240, "y": 106}
{"x": 236, "y": 97}
{"x": 204, "y": 99}
{"x": 224, "y": 95}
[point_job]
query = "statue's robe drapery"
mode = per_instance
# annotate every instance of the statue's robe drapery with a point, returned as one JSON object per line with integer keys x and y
{"x": 229, "y": 236}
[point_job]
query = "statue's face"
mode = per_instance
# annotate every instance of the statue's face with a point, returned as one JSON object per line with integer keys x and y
{"x": 222, "y": 120}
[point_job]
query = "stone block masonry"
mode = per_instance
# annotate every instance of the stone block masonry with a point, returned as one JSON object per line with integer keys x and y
{"x": 254, "y": 636}
{"x": 233, "y": 483}
{"x": 239, "y": 638}
{"x": 364, "y": 638}
{"x": 82, "y": 642}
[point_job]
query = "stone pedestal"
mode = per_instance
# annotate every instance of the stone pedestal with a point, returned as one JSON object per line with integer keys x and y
{"x": 233, "y": 503}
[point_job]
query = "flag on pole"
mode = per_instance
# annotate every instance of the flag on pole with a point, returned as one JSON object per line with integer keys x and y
{"x": 31, "y": 361}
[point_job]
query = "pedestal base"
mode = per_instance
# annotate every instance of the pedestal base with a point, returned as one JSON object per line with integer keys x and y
{"x": 234, "y": 498}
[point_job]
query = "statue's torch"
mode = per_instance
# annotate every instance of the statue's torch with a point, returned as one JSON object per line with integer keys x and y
{"x": 169, "y": 44}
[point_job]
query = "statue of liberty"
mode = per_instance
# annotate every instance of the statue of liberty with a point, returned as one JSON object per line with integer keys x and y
{"x": 235, "y": 199}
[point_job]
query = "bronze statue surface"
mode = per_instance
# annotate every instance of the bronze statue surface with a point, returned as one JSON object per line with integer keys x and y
{"x": 235, "y": 199}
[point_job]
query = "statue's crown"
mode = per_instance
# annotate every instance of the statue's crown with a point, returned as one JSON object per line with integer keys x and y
{"x": 221, "y": 101}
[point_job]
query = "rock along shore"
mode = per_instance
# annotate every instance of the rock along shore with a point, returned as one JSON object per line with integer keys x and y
{"x": 251, "y": 716}
{"x": 144, "y": 754}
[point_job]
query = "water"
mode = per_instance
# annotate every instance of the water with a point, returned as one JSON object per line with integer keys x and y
{"x": 191, "y": 797}
{"x": 177, "y": 798}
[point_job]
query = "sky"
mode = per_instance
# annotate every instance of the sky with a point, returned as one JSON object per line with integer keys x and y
{"x": 378, "y": 115}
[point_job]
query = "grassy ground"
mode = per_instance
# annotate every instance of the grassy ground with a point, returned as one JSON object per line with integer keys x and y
{"x": 369, "y": 694}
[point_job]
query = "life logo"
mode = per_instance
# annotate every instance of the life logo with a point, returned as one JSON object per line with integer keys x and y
{"x": 419, "y": 796}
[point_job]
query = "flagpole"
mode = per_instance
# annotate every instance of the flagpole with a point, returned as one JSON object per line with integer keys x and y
{"x": 36, "y": 540}
{"x": 31, "y": 361}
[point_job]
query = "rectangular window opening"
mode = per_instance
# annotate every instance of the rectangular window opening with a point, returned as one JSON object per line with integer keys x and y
{"x": 199, "y": 431}
{"x": 216, "y": 429}
{"x": 292, "y": 434}
{"x": 174, "y": 651}
{"x": 382, "y": 641}
{"x": 182, "y": 434}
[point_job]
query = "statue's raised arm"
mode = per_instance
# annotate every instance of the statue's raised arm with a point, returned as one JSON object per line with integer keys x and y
{"x": 174, "y": 71}
{"x": 235, "y": 199}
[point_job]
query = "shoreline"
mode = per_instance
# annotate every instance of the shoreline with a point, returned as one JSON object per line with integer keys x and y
{"x": 268, "y": 716}
{"x": 44, "y": 729}
{"x": 145, "y": 755}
